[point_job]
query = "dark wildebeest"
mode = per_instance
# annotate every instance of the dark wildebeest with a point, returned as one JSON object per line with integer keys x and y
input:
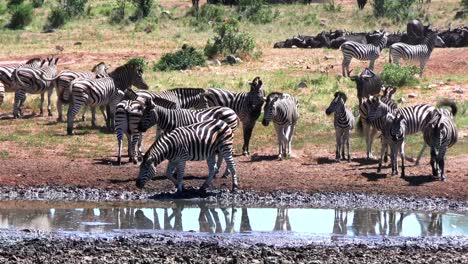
{"x": 367, "y": 83}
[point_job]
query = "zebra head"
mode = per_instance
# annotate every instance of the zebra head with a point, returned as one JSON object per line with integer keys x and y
{"x": 149, "y": 118}
{"x": 256, "y": 94}
{"x": 388, "y": 92}
{"x": 376, "y": 109}
{"x": 398, "y": 128}
{"x": 433, "y": 40}
{"x": 270, "y": 107}
{"x": 147, "y": 171}
{"x": 338, "y": 101}
{"x": 100, "y": 69}
{"x": 128, "y": 75}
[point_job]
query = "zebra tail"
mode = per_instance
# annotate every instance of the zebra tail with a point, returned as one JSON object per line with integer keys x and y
{"x": 451, "y": 104}
{"x": 17, "y": 79}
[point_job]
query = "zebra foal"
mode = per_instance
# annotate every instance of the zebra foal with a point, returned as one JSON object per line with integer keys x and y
{"x": 200, "y": 141}
{"x": 343, "y": 122}
{"x": 247, "y": 105}
{"x": 105, "y": 91}
{"x": 282, "y": 109}
{"x": 420, "y": 53}
{"x": 363, "y": 52}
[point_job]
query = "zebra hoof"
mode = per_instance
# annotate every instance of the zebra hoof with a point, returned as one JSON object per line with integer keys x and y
{"x": 70, "y": 132}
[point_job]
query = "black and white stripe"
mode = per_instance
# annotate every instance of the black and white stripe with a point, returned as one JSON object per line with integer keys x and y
{"x": 363, "y": 52}
{"x": 200, "y": 141}
{"x": 184, "y": 98}
{"x": 282, "y": 109}
{"x": 247, "y": 105}
{"x": 343, "y": 122}
{"x": 27, "y": 79}
{"x": 105, "y": 91}
{"x": 420, "y": 53}
{"x": 2, "y": 93}
{"x": 64, "y": 79}
{"x": 440, "y": 134}
{"x": 6, "y": 72}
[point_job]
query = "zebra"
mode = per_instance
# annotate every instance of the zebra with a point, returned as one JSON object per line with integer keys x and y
{"x": 343, "y": 122}
{"x": 104, "y": 91}
{"x": 421, "y": 52}
{"x": 6, "y": 72}
{"x": 412, "y": 120}
{"x": 27, "y": 79}
{"x": 183, "y": 97}
{"x": 440, "y": 134}
{"x": 370, "y": 52}
{"x": 385, "y": 124}
{"x": 200, "y": 141}
{"x": 370, "y": 128}
{"x": 170, "y": 119}
{"x": 247, "y": 105}
{"x": 63, "y": 88}
{"x": 282, "y": 108}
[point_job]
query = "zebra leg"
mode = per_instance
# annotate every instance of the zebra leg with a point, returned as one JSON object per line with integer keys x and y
{"x": 290, "y": 136}
{"x": 119, "y": 146}
{"x": 347, "y": 145}
{"x": 383, "y": 151}
{"x": 59, "y": 108}
{"x": 345, "y": 66}
{"x": 20, "y": 96}
{"x": 420, "y": 154}
{"x": 231, "y": 165}
{"x": 139, "y": 152}
{"x": 435, "y": 170}
{"x": 135, "y": 138}
{"x": 441, "y": 162}
{"x": 93, "y": 117}
{"x": 422, "y": 65}
{"x": 370, "y": 140}
{"x": 180, "y": 175}
{"x": 170, "y": 170}
{"x": 393, "y": 158}
{"x": 338, "y": 144}
{"x": 402, "y": 156}
{"x": 49, "y": 102}
{"x": 248, "y": 127}
{"x": 371, "y": 64}
{"x": 85, "y": 109}
{"x": 41, "y": 111}
{"x": 130, "y": 147}
{"x": 280, "y": 136}
{"x": 343, "y": 144}
{"x": 73, "y": 111}
{"x": 211, "y": 161}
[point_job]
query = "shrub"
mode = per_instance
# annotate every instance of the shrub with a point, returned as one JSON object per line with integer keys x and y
{"x": 230, "y": 40}
{"x": 397, "y": 10}
{"x": 141, "y": 62}
{"x": 183, "y": 59}
{"x": 394, "y": 75}
{"x": 332, "y": 7}
{"x": 37, "y": 3}
{"x": 256, "y": 11}
{"x": 3, "y": 8}
{"x": 118, "y": 13}
{"x": 21, "y": 16}
{"x": 74, "y": 7}
{"x": 143, "y": 8}
{"x": 211, "y": 13}
{"x": 12, "y": 3}
{"x": 57, "y": 18}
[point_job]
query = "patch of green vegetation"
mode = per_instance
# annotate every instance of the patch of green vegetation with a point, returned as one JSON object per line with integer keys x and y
{"x": 183, "y": 59}
{"x": 395, "y": 75}
{"x": 4, "y": 154}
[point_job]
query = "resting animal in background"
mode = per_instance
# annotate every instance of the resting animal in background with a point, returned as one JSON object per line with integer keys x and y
{"x": 367, "y": 83}
{"x": 363, "y": 52}
{"x": 440, "y": 134}
{"x": 283, "y": 109}
{"x": 201, "y": 141}
{"x": 27, "y": 79}
{"x": 420, "y": 53}
{"x": 247, "y": 105}
{"x": 343, "y": 122}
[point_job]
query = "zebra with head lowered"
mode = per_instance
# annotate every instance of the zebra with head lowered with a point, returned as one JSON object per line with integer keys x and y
{"x": 64, "y": 79}
{"x": 282, "y": 109}
{"x": 247, "y": 105}
{"x": 105, "y": 91}
{"x": 200, "y": 141}
{"x": 184, "y": 98}
{"x": 421, "y": 52}
{"x": 343, "y": 122}
{"x": 27, "y": 79}
{"x": 440, "y": 134}
{"x": 170, "y": 119}
{"x": 412, "y": 119}
{"x": 363, "y": 52}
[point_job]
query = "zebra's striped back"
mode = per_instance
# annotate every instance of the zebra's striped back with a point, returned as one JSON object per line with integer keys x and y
{"x": 150, "y": 96}
{"x": 414, "y": 52}
{"x": 29, "y": 78}
{"x": 282, "y": 108}
{"x": 184, "y": 97}
{"x": 351, "y": 49}
{"x": 6, "y": 72}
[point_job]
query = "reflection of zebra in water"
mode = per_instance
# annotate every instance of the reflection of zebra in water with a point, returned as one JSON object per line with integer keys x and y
{"x": 440, "y": 134}
{"x": 28, "y": 79}
{"x": 104, "y": 91}
{"x": 64, "y": 79}
{"x": 412, "y": 120}
{"x": 201, "y": 141}
{"x": 247, "y": 105}
{"x": 421, "y": 52}
{"x": 370, "y": 52}
{"x": 343, "y": 122}
{"x": 6, "y": 71}
{"x": 282, "y": 220}
{"x": 283, "y": 109}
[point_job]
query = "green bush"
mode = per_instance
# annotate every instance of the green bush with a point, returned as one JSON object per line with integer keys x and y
{"x": 3, "y": 8}
{"x": 143, "y": 8}
{"x": 397, "y": 10}
{"x": 118, "y": 13}
{"x": 74, "y": 7}
{"x": 21, "y": 16}
{"x": 57, "y": 18}
{"x": 37, "y": 3}
{"x": 141, "y": 62}
{"x": 183, "y": 59}
{"x": 256, "y": 11}
{"x": 213, "y": 13}
{"x": 332, "y": 7}
{"x": 12, "y": 3}
{"x": 229, "y": 40}
{"x": 394, "y": 75}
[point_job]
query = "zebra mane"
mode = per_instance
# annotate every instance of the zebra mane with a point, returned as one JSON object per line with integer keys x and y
{"x": 188, "y": 90}
{"x": 341, "y": 95}
{"x": 273, "y": 96}
{"x": 33, "y": 60}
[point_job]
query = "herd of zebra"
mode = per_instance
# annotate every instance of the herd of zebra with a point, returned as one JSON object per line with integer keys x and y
{"x": 198, "y": 124}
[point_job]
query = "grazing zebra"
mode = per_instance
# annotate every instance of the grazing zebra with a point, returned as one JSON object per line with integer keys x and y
{"x": 440, "y": 134}
{"x": 421, "y": 52}
{"x": 343, "y": 122}
{"x": 247, "y": 105}
{"x": 370, "y": 52}
{"x": 170, "y": 119}
{"x": 200, "y": 141}
{"x": 371, "y": 127}
{"x": 412, "y": 119}
{"x": 63, "y": 88}
{"x": 6, "y": 72}
{"x": 282, "y": 108}
{"x": 183, "y": 97}
{"x": 28, "y": 79}
{"x": 105, "y": 91}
